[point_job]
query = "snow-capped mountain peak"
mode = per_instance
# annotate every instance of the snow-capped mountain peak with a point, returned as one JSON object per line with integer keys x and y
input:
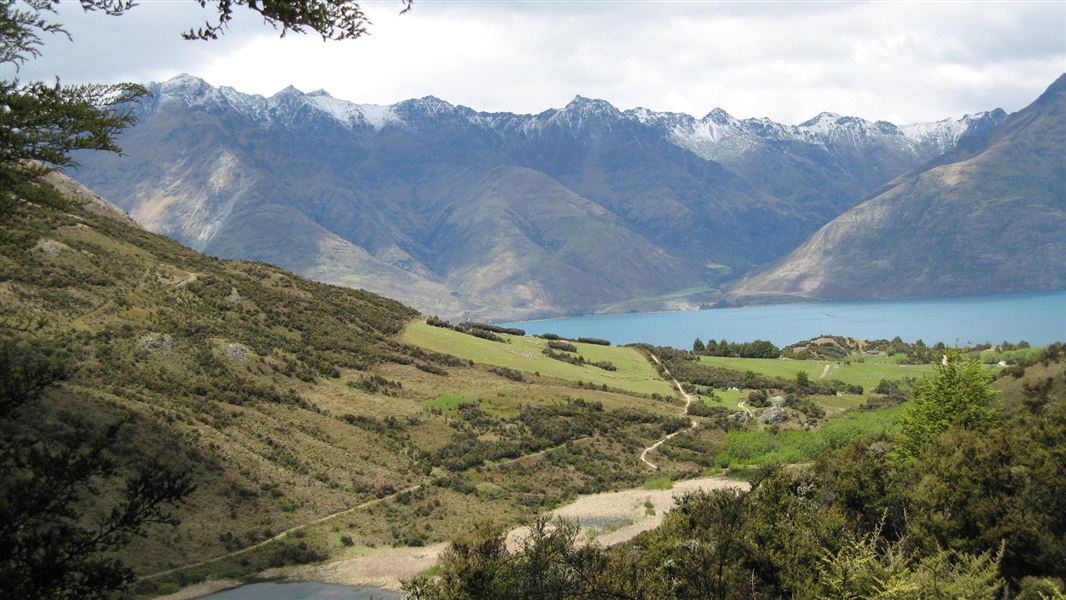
{"x": 717, "y": 136}
{"x": 720, "y": 116}
{"x": 946, "y": 133}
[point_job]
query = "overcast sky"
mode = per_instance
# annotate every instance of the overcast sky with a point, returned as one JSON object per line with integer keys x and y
{"x": 788, "y": 61}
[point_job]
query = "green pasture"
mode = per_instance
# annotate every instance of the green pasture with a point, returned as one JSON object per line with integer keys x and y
{"x": 634, "y": 374}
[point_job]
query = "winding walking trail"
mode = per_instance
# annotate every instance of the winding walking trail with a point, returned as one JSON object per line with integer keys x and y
{"x": 609, "y": 518}
{"x": 745, "y": 409}
{"x": 825, "y": 371}
{"x": 688, "y": 401}
{"x": 283, "y": 534}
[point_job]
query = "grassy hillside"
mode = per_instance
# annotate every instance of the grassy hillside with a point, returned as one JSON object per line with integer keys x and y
{"x": 634, "y": 374}
{"x": 290, "y": 401}
{"x": 321, "y": 423}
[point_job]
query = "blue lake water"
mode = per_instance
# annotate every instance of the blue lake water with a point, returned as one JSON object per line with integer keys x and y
{"x": 303, "y": 590}
{"x": 1037, "y": 318}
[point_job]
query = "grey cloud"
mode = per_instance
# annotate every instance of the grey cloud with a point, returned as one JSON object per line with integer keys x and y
{"x": 788, "y": 61}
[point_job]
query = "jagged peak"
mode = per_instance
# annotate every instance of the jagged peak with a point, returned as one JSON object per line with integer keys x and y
{"x": 289, "y": 90}
{"x": 185, "y": 77}
{"x": 719, "y": 115}
{"x": 646, "y": 116}
{"x": 582, "y": 104}
{"x": 184, "y": 81}
{"x": 426, "y": 104}
{"x": 821, "y": 118}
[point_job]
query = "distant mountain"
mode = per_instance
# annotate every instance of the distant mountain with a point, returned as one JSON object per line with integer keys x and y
{"x": 988, "y": 216}
{"x": 495, "y": 215}
{"x": 827, "y": 163}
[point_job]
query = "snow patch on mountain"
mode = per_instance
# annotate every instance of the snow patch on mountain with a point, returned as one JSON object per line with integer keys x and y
{"x": 717, "y": 136}
{"x": 946, "y": 133}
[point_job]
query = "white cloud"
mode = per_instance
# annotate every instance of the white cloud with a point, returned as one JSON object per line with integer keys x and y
{"x": 788, "y": 61}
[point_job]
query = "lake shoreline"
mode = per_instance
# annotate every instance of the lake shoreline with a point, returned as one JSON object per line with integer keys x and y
{"x": 1038, "y": 317}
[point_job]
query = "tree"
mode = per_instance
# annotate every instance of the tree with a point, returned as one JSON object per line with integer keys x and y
{"x": 50, "y": 547}
{"x": 41, "y": 123}
{"x": 698, "y": 347}
{"x": 958, "y": 394}
{"x": 802, "y": 379}
{"x": 332, "y": 19}
{"x": 547, "y": 565}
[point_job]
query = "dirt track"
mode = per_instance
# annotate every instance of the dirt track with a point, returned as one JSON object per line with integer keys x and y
{"x": 684, "y": 412}
{"x": 626, "y": 513}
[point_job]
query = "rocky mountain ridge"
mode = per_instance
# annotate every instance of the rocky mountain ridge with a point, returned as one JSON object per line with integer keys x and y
{"x": 498, "y": 215}
{"x": 986, "y": 217}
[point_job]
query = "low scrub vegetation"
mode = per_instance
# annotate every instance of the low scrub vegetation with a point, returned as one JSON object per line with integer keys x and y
{"x": 961, "y": 500}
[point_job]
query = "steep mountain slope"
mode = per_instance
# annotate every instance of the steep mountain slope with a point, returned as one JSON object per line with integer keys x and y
{"x": 386, "y": 197}
{"x": 211, "y": 361}
{"x": 989, "y": 216}
{"x": 290, "y": 400}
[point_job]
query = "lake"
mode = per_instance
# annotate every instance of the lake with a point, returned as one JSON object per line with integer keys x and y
{"x": 1037, "y": 318}
{"x": 302, "y": 590}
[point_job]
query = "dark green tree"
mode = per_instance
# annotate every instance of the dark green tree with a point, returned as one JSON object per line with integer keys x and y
{"x": 50, "y": 546}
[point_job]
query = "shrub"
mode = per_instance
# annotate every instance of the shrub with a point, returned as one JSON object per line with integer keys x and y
{"x": 561, "y": 345}
{"x": 493, "y": 328}
{"x": 563, "y": 356}
{"x": 434, "y": 369}
{"x": 759, "y": 399}
{"x": 506, "y": 373}
{"x": 298, "y": 554}
{"x": 483, "y": 334}
{"x": 438, "y": 322}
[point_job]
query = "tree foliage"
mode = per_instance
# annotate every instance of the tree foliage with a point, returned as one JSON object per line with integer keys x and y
{"x": 52, "y": 544}
{"x": 861, "y": 570}
{"x": 958, "y": 394}
{"x": 332, "y": 19}
{"x": 978, "y": 511}
{"x": 42, "y": 123}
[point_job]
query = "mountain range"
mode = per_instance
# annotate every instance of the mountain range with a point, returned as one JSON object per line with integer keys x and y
{"x": 988, "y": 216}
{"x": 573, "y": 210}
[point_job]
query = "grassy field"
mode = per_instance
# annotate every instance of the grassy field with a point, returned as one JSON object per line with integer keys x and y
{"x": 867, "y": 373}
{"x": 747, "y": 448}
{"x": 634, "y": 372}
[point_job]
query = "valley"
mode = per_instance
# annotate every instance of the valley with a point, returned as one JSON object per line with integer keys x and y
{"x": 575, "y": 210}
{"x": 339, "y": 430}
{"x": 261, "y": 345}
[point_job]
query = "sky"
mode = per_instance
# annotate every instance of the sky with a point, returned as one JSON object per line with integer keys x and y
{"x": 900, "y": 62}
